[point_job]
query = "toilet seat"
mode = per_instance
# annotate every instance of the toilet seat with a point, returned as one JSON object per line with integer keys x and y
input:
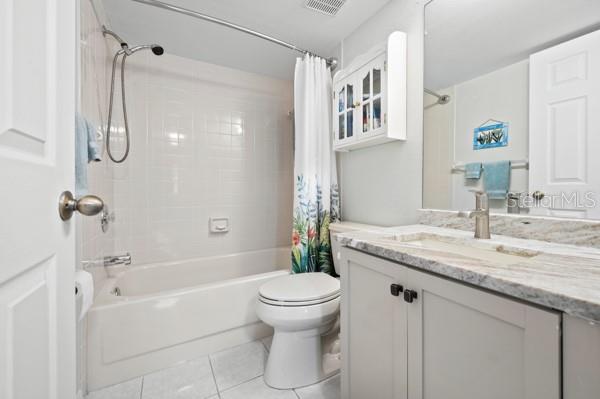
{"x": 300, "y": 290}
{"x": 298, "y": 303}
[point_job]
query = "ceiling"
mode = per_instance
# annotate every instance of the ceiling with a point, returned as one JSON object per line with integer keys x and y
{"x": 287, "y": 20}
{"x": 469, "y": 38}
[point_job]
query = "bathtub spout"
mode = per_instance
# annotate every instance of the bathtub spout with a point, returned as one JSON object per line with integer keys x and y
{"x": 115, "y": 260}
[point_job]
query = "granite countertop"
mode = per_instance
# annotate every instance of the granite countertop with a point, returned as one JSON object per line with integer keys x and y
{"x": 558, "y": 276}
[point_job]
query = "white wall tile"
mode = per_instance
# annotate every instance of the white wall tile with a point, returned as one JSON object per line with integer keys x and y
{"x": 206, "y": 141}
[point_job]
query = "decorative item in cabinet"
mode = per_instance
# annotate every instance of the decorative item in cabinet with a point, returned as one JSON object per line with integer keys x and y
{"x": 369, "y": 97}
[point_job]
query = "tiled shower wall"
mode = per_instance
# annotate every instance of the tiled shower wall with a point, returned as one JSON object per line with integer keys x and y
{"x": 207, "y": 141}
{"x": 94, "y": 79}
{"x": 92, "y": 244}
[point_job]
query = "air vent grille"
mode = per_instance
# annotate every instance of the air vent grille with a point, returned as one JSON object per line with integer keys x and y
{"x": 328, "y": 7}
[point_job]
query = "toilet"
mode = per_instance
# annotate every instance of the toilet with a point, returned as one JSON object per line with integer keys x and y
{"x": 303, "y": 310}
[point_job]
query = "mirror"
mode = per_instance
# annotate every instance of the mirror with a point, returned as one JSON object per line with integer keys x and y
{"x": 512, "y": 106}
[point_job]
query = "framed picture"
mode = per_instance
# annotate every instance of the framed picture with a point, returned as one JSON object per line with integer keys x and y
{"x": 490, "y": 136}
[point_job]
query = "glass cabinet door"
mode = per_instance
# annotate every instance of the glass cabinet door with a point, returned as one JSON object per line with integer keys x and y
{"x": 345, "y": 94}
{"x": 371, "y": 96}
{"x": 349, "y": 110}
{"x": 341, "y": 128}
{"x": 366, "y": 100}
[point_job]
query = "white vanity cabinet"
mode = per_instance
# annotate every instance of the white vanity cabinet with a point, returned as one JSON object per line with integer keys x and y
{"x": 440, "y": 339}
{"x": 369, "y": 97}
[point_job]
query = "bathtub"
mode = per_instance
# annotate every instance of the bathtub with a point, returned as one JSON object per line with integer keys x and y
{"x": 169, "y": 312}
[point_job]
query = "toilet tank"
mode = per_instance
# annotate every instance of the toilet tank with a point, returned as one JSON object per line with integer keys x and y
{"x": 340, "y": 228}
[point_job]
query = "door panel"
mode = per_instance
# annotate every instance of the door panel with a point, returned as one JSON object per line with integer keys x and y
{"x": 563, "y": 135}
{"x": 467, "y": 343}
{"x": 37, "y": 252}
{"x": 374, "y": 329}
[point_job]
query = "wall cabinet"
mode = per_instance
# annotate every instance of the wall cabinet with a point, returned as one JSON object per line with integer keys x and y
{"x": 369, "y": 97}
{"x": 410, "y": 334}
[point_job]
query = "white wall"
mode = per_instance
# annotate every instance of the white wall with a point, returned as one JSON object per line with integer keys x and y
{"x": 207, "y": 141}
{"x": 502, "y": 95}
{"x": 438, "y": 154}
{"x": 383, "y": 184}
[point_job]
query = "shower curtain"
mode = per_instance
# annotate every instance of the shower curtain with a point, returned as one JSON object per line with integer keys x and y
{"x": 316, "y": 200}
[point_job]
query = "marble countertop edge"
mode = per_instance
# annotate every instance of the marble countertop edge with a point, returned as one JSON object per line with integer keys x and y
{"x": 548, "y": 288}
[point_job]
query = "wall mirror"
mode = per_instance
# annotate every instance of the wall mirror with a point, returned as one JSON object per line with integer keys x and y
{"x": 512, "y": 106}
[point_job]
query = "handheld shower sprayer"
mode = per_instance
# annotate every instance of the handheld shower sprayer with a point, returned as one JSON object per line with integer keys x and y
{"x": 124, "y": 52}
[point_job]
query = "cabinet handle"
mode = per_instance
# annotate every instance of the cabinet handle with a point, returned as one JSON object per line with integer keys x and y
{"x": 396, "y": 289}
{"x": 410, "y": 296}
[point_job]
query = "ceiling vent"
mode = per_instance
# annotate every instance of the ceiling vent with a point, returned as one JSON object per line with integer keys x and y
{"x": 328, "y": 7}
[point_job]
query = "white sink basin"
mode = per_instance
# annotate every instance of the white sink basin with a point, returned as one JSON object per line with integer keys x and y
{"x": 469, "y": 248}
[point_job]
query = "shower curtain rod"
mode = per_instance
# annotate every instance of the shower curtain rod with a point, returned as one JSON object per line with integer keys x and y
{"x": 441, "y": 98}
{"x": 332, "y": 62}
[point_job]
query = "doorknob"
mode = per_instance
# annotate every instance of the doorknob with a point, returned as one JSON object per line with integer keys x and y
{"x": 538, "y": 195}
{"x": 88, "y": 205}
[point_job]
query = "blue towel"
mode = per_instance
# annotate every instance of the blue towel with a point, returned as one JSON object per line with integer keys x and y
{"x": 86, "y": 150}
{"x": 93, "y": 154}
{"x": 473, "y": 170}
{"x": 496, "y": 180}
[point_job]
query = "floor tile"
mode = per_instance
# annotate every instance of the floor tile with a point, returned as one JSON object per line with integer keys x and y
{"x": 257, "y": 389}
{"x": 267, "y": 342}
{"x": 239, "y": 364}
{"x": 127, "y": 390}
{"x": 328, "y": 389}
{"x": 190, "y": 380}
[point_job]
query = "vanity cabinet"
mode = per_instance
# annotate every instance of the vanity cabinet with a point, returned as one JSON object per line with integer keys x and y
{"x": 369, "y": 97}
{"x": 439, "y": 338}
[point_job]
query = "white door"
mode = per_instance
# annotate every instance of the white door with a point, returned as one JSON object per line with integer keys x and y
{"x": 564, "y": 132}
{"x": 37, "y": 251}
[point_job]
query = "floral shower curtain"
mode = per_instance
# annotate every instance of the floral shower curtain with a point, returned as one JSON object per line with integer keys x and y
{"x": 316, "y": 200}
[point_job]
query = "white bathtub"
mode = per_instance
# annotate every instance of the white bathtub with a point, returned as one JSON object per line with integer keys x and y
{"x": 170, "y": 312}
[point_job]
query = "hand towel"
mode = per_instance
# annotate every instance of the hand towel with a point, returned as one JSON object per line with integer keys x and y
{"x": 496, "y": 180}
{"x": 93, "y": 154}
{"x": 473, "y": 170}
{"x": 81, "y": 156}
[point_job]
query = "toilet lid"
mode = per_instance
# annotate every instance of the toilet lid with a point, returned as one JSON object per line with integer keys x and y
{"x": 304, "y": 287}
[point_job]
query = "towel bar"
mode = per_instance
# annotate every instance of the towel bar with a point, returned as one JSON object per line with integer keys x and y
{"x": 520, "y": 164}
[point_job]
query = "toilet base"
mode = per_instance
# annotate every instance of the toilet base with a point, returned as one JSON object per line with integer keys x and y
{"x": 298, "y": 359}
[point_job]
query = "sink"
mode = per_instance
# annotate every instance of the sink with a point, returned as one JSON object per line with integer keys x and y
{"x": 468, "y": 248}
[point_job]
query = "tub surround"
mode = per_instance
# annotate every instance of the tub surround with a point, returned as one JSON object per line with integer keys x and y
{"x": 562, "y": 277}
{"x": 585, "y": 233}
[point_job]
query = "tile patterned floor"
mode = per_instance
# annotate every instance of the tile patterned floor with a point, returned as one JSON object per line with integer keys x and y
{"x": 234, "y": 373}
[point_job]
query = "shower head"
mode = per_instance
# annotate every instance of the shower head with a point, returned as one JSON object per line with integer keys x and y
{"x": 156, "y": 49}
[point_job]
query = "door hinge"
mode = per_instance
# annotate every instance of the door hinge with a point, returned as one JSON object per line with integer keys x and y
{"x": 384, "y": 66}
{"x": 385, "y": 118}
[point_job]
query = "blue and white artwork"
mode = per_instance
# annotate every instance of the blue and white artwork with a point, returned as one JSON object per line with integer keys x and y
{"x": 490, "y": 136}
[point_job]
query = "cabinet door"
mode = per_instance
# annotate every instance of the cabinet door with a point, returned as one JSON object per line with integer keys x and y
{"x": 344, "y": 121}
{"x": 373, "y": 329}
{"x": 372, "y": 107}
{"x": 467, "y": 343}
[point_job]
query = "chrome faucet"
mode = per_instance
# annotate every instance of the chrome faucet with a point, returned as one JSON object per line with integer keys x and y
{"x": 481, "y": 214}
{"x": 114, "y": 260}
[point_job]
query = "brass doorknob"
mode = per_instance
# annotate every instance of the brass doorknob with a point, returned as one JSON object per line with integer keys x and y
{"x": 88, "y": 205}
